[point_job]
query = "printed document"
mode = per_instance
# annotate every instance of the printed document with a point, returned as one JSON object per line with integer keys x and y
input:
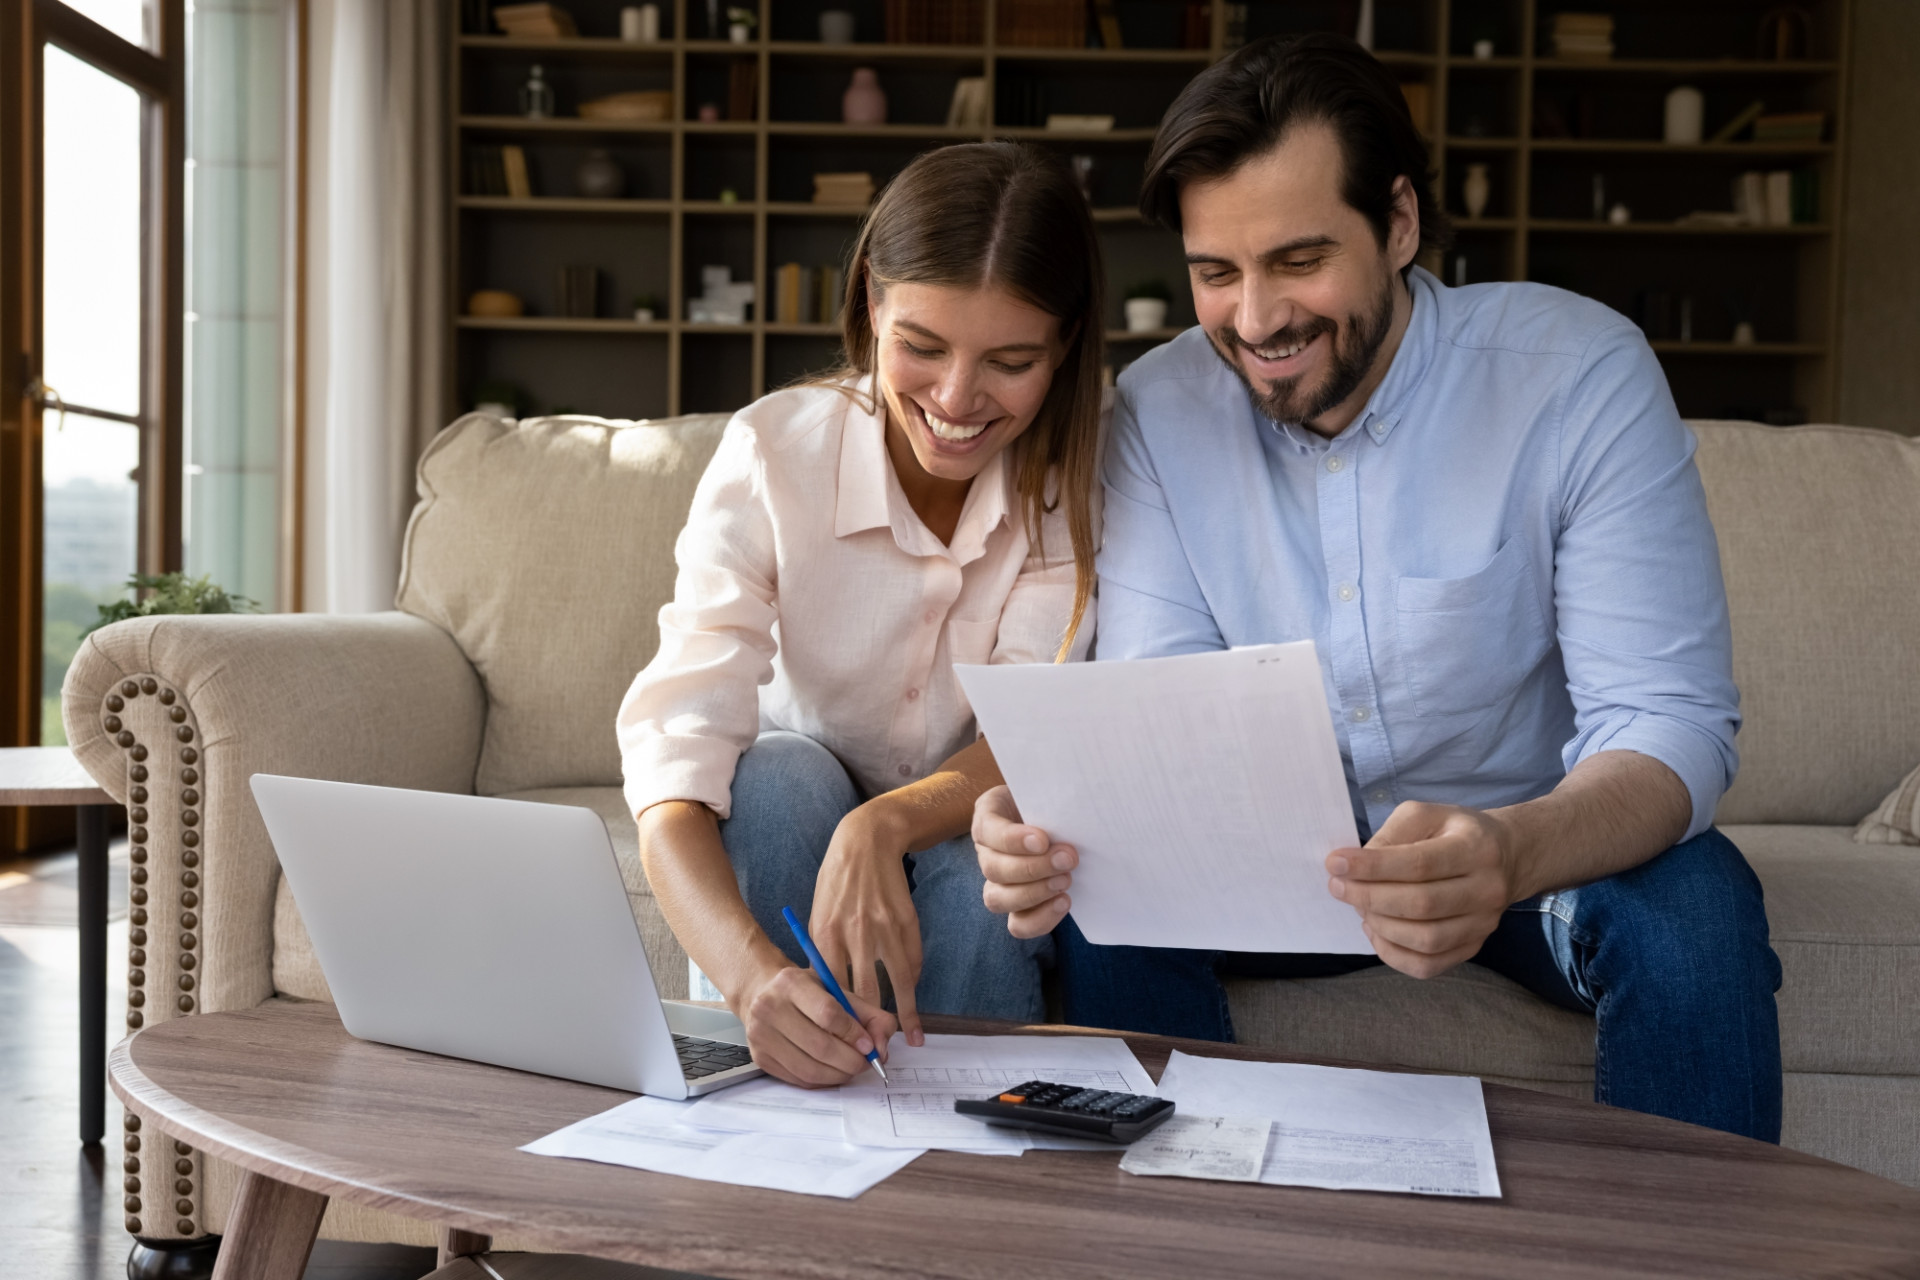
{"x": 655, "y": 1134}
{"x": 914, "y": 1108}
{"x": 1203, "y": 793}
{"x": 1349, "y": 1130}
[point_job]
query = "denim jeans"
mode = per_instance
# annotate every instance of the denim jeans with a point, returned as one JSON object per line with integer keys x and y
{"x": 1670, "y": 958}
{"x": 789, "y": 794}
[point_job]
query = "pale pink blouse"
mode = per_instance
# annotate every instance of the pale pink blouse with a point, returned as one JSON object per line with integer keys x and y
{"x": 810, "y": 597}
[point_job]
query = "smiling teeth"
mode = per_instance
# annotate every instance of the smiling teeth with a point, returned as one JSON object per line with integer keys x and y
{"x": 952, "y": 430}
{"x": 1279, "y": 353}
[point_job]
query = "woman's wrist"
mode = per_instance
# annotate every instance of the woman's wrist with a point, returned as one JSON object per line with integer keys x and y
{"x": 884, "y": 826}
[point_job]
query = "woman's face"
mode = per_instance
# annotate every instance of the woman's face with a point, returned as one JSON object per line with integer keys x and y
{"x": 962, "y": 371}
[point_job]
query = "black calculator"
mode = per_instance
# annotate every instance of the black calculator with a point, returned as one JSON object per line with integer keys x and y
{"x": 1069, "y": 1110}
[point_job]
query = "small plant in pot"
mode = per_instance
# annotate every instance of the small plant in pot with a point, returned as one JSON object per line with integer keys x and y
{"x": 645, "y": 308}
{"x": 497, "y": 397}
{"x": 1146, "y": 306}
{"x": 170, "y": 593}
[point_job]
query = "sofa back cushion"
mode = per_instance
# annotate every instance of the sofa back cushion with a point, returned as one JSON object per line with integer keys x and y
{"x": 545, "y": 547}
{"x": 1819, "y": 533}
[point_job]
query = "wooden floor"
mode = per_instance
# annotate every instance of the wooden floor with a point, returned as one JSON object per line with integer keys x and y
{"x": 55, "y": 1221}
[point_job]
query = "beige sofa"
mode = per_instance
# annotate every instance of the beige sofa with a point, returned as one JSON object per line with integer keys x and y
{"x": 534, "y": 568}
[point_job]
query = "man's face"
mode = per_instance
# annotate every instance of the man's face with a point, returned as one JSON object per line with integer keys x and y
{"x": 1290, "y": 282}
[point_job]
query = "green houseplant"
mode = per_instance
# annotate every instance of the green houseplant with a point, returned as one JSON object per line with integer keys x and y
{"x": 170, "y": 593}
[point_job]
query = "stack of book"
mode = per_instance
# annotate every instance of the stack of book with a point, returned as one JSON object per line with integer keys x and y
{"x": 497, "y": 171}
{"x": 808, "y": 295}
{"x": 580, "y": 291}
{"x": 1783, "y": 198}
{"x": 843, "y": 188}
{"x": 935, "y": 21}
{"x": 1793, "y": 126}
{"x": 1052, "y": 24}
{"x": 968, "y": 109}
{"x": 1587, "y": 36}
{"x": 636, "y": 104}
{"x": 535, "y": 21}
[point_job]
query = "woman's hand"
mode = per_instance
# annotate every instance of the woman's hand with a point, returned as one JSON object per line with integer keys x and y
{"x": 863, "y": 912}
{"x": 800, "y": 1033}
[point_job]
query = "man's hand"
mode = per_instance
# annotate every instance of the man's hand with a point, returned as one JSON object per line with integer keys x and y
{"x": 1430, "y": 886}
{"x": 863, "y": 912}
{"x": 1027, "y": 874}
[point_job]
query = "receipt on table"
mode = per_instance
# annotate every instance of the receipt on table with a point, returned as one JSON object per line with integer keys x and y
{"x": 1224, "y": 1148}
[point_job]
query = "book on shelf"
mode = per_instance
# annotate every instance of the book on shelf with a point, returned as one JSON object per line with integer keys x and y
{"x": 796, "y": 297}
{"x": 935, "y": 21}
{"x": 1196, "y": 25}
{"x": 1058, "y": 123}
{"x": 843, "y": 188}
{"x": 743, "y": 84}
{"x": 579, "y": 291}
{"x": 1108, "y": 19}
{"x": 1045, "y": 24}
{"x": 1419, "y": 96}
{"x": 1780, "y": 198}
{"x": 484, "y": 171}
{"x": 1583, "y": 36}
{"x": 1741, "y": 120}
{"x": 833, "y": 284}
{"x": 968, "y": 108}
{"x": 1805, "y": 198}
{"x": 1791, "y": 126}
{"x": 519, "y": 183}
{"x": 535, "y": 21}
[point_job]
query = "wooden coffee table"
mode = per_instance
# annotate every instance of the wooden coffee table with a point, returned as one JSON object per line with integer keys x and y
{"x": 309, "y": 1112}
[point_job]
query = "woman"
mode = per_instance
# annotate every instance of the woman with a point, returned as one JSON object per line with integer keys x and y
{"x": 929, "y": 504}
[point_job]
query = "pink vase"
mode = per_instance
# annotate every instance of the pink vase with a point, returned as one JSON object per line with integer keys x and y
{"x": 864, "y": 102}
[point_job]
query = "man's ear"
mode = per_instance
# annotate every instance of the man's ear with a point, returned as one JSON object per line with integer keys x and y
{"x": 1403, "y": 224}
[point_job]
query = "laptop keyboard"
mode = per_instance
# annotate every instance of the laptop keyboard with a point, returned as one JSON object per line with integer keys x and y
{"x": 707, "y": 1057}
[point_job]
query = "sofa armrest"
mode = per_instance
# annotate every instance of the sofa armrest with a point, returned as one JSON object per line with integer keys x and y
{"x": 172, "y": 715}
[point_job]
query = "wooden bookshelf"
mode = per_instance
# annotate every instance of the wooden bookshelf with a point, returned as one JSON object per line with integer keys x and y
{"x": 673, "y": 219}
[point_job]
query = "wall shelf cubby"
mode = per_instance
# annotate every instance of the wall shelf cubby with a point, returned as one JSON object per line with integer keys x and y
{"x": 1742, "y": 316}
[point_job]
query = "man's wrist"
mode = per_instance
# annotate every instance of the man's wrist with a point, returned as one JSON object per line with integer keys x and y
{"x": 1514, "y": 834}
{"x": 885, "y": 826}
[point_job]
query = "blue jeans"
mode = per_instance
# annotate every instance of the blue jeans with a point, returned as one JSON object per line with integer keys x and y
{"x": 1670, "y": 958}
{"x": 789, "y": 794}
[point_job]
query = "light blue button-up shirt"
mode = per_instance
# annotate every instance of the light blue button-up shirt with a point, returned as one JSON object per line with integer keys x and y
{"x": 1505, "y": 562}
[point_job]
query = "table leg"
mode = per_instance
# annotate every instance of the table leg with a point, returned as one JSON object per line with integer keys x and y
{"x": 270, "y": 1230}
{"x": 455, "y": 1243}
{"x": 93, "y": 819}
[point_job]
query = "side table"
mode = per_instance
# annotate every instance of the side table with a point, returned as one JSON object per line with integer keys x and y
{"x": 32, "y": 776}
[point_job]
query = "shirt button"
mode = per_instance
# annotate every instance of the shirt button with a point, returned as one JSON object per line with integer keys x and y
{"x": 1334, "y": 463}
{"x": 906, "y": 771}
{"x": 1379, "y": 795}
{"x": 912, "y": 694}
{"x": 929, "y": 615}
{"x": 1361, "y": 714}
{"x": 1346, "y": 591}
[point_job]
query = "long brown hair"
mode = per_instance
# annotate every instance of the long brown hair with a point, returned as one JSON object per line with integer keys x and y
{"x": 1006, "y": 214}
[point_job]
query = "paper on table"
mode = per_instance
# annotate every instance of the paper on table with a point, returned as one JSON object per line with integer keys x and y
{"x": 1203, "y": 793}
{"x": 1227, "y": 1149}
{"x": 653, "y": 1134}
{"x": 915, "y": 1107}
{"x": 767, "y": 1105}
{"x": 1350, "y": 1130}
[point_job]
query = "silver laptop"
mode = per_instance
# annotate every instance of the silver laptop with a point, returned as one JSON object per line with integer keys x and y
{"x": 496, "y": 930}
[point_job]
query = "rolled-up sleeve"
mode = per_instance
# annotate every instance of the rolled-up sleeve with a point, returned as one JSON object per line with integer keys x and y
{"x": 1642, "y": 608}
{"x": 690, "y": 714}
{"x": 1151, "y": 604}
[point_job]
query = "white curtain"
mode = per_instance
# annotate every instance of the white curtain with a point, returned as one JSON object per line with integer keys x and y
{"x": 376, "y": 281}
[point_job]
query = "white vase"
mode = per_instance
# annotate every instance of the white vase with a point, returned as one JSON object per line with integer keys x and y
{"x": 1686, "y": 111}
{"x": 1146, "y": 314}
{"x": 740, "y": 33}
{"x": 1476, "y": 190}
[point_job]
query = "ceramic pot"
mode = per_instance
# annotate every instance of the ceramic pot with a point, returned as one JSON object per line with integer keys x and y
{"x": 1476, "y": 190}
{"x": 599, "y": 178}
{"x": 836, "y": 26}
{"x": 497, "y": 303}
{"x": 1686, "y": 115}
{"x": 1145, "y": 314}
{"x": 864, "y": 102}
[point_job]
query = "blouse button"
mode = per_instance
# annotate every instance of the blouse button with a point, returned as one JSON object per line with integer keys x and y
{"x": 912, "y": 694}
{"x": 906, "y": 771}
{"x": 930, "y": 615}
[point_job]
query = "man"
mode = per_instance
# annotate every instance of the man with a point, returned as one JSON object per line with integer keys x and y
{"x": 1482, "y": 507}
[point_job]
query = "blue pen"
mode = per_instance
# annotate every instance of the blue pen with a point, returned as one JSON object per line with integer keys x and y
{"x": 826, "y": 978}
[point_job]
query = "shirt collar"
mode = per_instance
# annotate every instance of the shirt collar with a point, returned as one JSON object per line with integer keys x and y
{"x": 870, "y": 495}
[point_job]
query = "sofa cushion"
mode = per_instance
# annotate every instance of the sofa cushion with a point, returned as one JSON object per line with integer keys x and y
{"x": 545, "y": 547}
{"x": 1845, "y": 920}
{"x": 1817, "y": 530}
{"x": 1897, "y": 820}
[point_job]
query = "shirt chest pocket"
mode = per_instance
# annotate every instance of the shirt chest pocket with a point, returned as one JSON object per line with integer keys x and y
{"x": 1467, "y": 643}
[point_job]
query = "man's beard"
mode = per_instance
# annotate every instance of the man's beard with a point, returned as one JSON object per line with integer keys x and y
{"x": 1355, "y": 345}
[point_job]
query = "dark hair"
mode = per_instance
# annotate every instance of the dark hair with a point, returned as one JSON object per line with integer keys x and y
{"x": 1006, "y": 214}
{"x": 1245, "y": 105}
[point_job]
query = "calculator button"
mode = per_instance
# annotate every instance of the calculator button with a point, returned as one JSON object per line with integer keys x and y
{"x": 1012, "y": 1098}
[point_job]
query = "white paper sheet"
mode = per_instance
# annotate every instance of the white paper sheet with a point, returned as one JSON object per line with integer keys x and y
{"x": 915, "y": 1107}
{"x": 1203, "y": 793}
{"x": 1350, "y": 1130}
{"x": 767, "y": 1105}
{"x": 654, "y": 1134}
{"x": 1221, "y": 1148}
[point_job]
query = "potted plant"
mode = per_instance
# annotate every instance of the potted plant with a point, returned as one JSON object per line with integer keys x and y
{"x": 740, "y": 24}
{"x": 501, "y": 399}
{"x": 645, "y": 307}
{"x": 1146, "y": 306}
{"x": 170, "y": 593}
